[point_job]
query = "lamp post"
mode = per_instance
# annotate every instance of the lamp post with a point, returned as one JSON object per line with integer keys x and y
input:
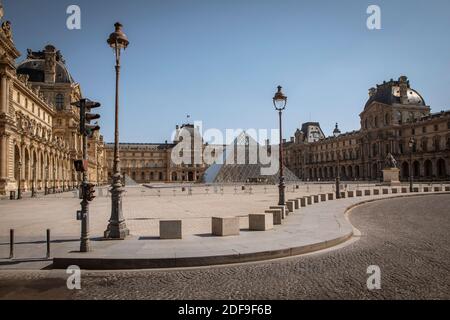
{"x": 54, "y": 179}
{"x": 19, "y": 187}
{"x": 279, "y": 102}
{"x": 46, "y": 180}
{"x": 117, "y": 228}
{"x": 336, "y": 134}
{"x": 411, "y": 144}
{"x": 33, "y": 183}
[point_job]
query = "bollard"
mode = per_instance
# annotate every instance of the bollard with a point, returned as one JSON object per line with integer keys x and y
{"x": 11, "y": 243}
{"x": 48, "y": 243}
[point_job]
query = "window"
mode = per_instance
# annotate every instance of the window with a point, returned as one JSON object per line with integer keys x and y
{"x": 437, "y": 143}
{"x": 424, "y": 144}
{"x": 436, "y": 127}
{"x": 59, "y": 101}
{"x": 413, "y": 131}
{"x": 424, "y": 129}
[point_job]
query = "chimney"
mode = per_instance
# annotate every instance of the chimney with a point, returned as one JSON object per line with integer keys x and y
{"x": 403, "y": 83}
{"x": 50, "y": 64}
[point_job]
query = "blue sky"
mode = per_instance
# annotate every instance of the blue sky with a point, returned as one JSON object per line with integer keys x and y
{"x": 220, "y": 61}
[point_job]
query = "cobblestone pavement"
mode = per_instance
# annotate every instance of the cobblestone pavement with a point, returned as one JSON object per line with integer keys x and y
{"x": 407, "y": 238}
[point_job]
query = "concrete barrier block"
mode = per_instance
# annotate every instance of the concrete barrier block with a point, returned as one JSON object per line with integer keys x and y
{"x": 277, "y": 216}
{"x": 309, "y": 199}
{"x": 323, "y": 197}
{"x": 331, "y": 196}
{"x": 359, "y": 193}
{"x": 290, "y": 206}
{"x": 284, "y": 212}
{"x": 260, "y": 221}
{"x": 225, "y": 226}
{"x": 367, "y": 192}
{"x": 350, "y": 194}
{"x": 170, "y": 229}
{"x": 303, "y": 202}
{"x": 296, "y": 203}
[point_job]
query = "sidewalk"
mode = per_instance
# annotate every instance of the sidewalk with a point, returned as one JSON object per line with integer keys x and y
{"x": 309, "y": 229}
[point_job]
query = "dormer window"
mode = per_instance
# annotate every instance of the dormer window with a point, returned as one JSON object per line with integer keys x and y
{"x": 59, "y": 102}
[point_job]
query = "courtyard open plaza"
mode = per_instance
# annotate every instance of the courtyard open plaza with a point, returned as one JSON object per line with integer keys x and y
{"x": 315, "y": 234}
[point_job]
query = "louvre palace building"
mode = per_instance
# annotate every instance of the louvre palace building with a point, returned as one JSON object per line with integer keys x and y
{"x": 393, "y": 114}
{"x": 39, "y": 137}
{"x": 152, "y": 162}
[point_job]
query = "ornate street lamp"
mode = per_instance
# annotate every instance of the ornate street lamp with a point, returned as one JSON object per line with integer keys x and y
{"x": 336, "y": 134}
{"x": 411, "y": 144}
{"x": 279, "y": 102}
{"x": 19, "y": 187}
{"x": 117, "y": 228}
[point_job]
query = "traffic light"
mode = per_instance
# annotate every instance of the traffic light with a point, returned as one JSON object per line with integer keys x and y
{"x": 81, "y": 165}
{"x": 85, "y": 106}
{"x": 89, "y": 191}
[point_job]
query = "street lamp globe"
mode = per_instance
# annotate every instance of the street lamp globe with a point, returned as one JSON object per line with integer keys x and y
{"x": 118, "y": 40}
{"x": 279, "y": 100}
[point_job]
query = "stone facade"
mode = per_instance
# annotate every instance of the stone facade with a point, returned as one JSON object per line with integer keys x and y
{"x": 393, "y": 114}
{"x": 39, "y": 137}
{"x": 152, "y": 162}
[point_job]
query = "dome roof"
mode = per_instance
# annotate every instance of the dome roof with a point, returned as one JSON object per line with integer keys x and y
{"x": 34, "y": 68}
{"x": 391, "y": 93}
{"x": 35, "y": 64}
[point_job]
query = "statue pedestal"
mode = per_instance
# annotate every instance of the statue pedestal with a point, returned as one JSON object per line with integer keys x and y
{"x": 391, "y": 177}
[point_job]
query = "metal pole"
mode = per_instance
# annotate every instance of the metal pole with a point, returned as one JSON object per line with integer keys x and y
{"x": 338, "y": 178}
{"x": 411, "y": 189}
{"x": 19, "y": 187}
{"x": 116, "y": 228}
{"x": 54, "y": 178}
{"x": 46, "y": 181}
{"x": 48, "y": 243}
{"x": 85, "y": 242}
{"x": 281, "y": 186}
{"x": 33, "y": 190}
{"x": 11, "y": 243}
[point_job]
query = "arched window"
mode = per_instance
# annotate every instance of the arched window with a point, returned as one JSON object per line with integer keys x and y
{"x": 59, "y": 101}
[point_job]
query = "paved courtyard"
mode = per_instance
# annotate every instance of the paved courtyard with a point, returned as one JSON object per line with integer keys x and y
{"x": 406, "y": 237}
{"x": 143, "y": 208}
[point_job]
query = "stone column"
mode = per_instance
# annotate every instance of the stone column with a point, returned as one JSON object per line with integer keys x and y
{"x": 3, "y": 94}
{"x": 4, "y": 142}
